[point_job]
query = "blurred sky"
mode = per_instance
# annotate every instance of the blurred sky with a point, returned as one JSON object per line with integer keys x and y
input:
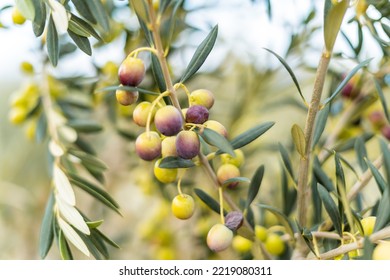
{"x": 244, "y": 29}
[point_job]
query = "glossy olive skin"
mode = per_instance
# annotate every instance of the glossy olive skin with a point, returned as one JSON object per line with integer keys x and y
{"x": 131, "y": 71}
{"x": 187, "y": 144}
{"x": 183, "y": 206}
{"x": 125, "y": 97}
{"x": 197, "y": 114}
{"x": 168, "y": 120}
{"x": 202, "y": 97}
{"x": 219, "y": 238}
{"x": 148, "y": 145}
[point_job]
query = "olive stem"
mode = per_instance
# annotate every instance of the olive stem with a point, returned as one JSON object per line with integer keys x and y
{"x": 220, "y": 194}
{"x": 136, "y": 51}
{"x": 161, "y": 56}
{"x": 303, "y": 188}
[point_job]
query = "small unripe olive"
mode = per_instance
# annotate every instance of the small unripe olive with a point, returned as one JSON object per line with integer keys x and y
{"x": 219, "y": 238}
{"x": 238, "y": 160}
{"x": 187, "y": 144}
{"x": 274, "y": 244}
{"x": 141, "y": 112}
{"x": 241, "y": 244}
{"x": 164, "y": 175}
{"x": 27, "y": 67}
{"x": 228, "y": 171}
{"x": 381, "y": 251}
{"x": 217, "y": 127}
{"x": 125, "y": 97}
{"x": 148, "y": 145}
{"x": 168, "y": 147}
{"x": 261, "y": 233}
{"x": 17, "y": 115}
{"x": 197, "y": 114}
{"x": 131, "y": 71}
{"x": 202, "y": 97}
{"x": 183, "y": 206}
{"x": 17, "y": 16}
{"x": 168, "y": 120}
{"x": 368, "y": 224}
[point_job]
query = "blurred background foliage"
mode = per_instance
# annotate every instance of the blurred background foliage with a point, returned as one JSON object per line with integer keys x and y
{"x": 251, "y": 87}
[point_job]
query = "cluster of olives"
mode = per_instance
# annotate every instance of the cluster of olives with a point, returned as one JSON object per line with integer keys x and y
{"x": 174, "y": 132}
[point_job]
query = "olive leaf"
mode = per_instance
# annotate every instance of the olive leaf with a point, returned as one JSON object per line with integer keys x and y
{"x": 200, "y": 55}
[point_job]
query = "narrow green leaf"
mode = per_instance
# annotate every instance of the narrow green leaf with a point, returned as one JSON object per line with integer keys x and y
{"x": 383, "y": 212}
{"x": 99, "y": 12}
{"x": 81, "y": 42}
{"x": 94, "y": 224}
{"x": 83, "y": 9}
{"x": 85, "y": 125}
{"x": 254, "y": 186}
{"x": 89, "y": 160}
{"x": 171, "y": 24}
{"x": 299, "y": 139}
{"x": 320, "y": 125}
{"x": 215, "y": 139}
{"x": 92, "y": 247}
{"x": 52, "y": 42}
{"x": 283, "y": 219}
{"x": 321, "y": 176}
{"x": 361, "y": 153}
{"x": 346, "y": 80}
{"x": 141, "y": 10}
{"x": 200, "y": 54}
{"x": 386, "y": 158}
{"x": 250, "y": 135}
{"x": 350, "y": 143}
{"x": 47, "y": 235}
{"x": 98, "y": 242}
{"x": 164, "y": 4}
{"x": 382, "y": 99}
{"x": 94, "y": 190}
{"x": 208, "y": 200}
{"x": 386, "y": 28}
{"x": 128, "y": 88}
{"x": 78, "y": 23}
{"x": 157, "y": 73}
{"x": 382, "y": 185}
{"x": 40, "y": 133}
{"x": 316, "y": 200}
{"x": 106, "y": 239}
{"x": 368, "y": 249}
{"x": 333, "y": 16}
{"x": 339, "y": 169}
{"x": 63, "y": 245}
{"x": 290, "y": 71}
{"x": 77, "y": 29}
{"x": 236, "y": 179}
{"x": 39, "y": 18}
{"x": 85, "y": 146}
{"x": 308, "y": 238}
{"x": 331, "y": 208}
{"x": 286, "y": 160}
{"x": 289, "y": 195}
{"x": 176, "y": 162}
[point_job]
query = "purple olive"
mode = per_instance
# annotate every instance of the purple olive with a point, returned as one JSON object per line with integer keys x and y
{"x": 197, "y": 114}
{"x": 168, "y": 120}
{"x": 148, "y": 145}
{"x": 131, "y": 72}
{"x": 187, "y": 144}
